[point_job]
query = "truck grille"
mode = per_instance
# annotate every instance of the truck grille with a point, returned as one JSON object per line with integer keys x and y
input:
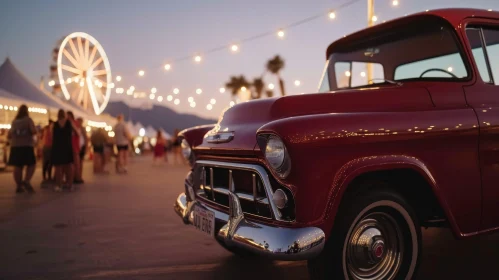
{"x": 213, "y": 182}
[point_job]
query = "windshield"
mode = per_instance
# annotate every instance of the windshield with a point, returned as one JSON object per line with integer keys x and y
{"x": 425, "y": 49}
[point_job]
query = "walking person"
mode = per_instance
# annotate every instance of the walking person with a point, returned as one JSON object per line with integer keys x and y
{"x": 122, "y": 139}
{"x": 22, "y": 153}
{"x": 83, "y": 149}
{"x": 75, "y": 144}
{"x": 99, "y": 140}
{"x": 47, "y": 153}
{"x": 160, "y": 147}
{"x": 62, "y": 150}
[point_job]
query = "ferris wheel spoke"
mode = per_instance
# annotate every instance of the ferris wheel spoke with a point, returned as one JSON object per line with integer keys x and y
{"x": 80, "y": 95}
{"x": 73, "y": 48}
{"x": 80, "y": 51}
{"x": 96, "y": 63}
{"x": 87, "y": 50}
{"x": 70, "y": 69}
{"x": 70, "y": 58}
{"x": 99, "y": 72}
{"x": 74, "y": 92}
{"x": 92, "y": 55}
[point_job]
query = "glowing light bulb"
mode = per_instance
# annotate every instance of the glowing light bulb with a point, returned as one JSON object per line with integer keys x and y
{"x": 374, "y": 18}
{"x": 450, "y": 69}
{"x": 297, "y": 83}
{"x": 332, "y": 15}
{"x": 395, "y": 2}
{"x": 209, "y": 107}
{"x": 213, "y": 101}
{"x": 160, "y": 98}
{"x": 197, "y": 58}
{"x": 190, "y": 99}
{"x": 177, "y": 101}
{"x": 76, "y": 79}
{"x": 348, "y": 74}
{"x": 234, "y": 48}
{"x": 111, "y": 85}
{"x": 142, "y": 73}
{"x": 68, "y": 80}
{"x": 232, "y": 103}
{"x": 169, "y": 98}
{"x": 153, "y": 90}
{"x": 222, "y": 90}
{"x": 243, "y": 89}
{"x": 168, "y": 67}
{"x": 199, "y": 91}
{"x": 193, "y": 104}
{"x": 362, "y": 74}
{"x": 118, "y": 78}
{"x": 280, "y": 33}
{"x": 176, "y": 90}
{"x": 152, "y": 96}
{"x": 82, "y": 83}
{"x": 271, "y": 86}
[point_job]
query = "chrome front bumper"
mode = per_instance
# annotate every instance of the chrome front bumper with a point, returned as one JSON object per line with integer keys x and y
{"x": 270, "y": 241}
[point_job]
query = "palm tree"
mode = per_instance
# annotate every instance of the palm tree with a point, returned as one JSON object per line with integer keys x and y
{"x": 236, "y": 83}
{"x": 274, "y": 66}
{"x": 258, "y": 85}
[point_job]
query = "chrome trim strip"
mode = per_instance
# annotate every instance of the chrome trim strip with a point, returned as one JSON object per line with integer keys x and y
{"x": 211, "y": 184}
{"x": 270, "y": 241}
{"x": 262, "y": 200}
{"x": 249, "y": 167}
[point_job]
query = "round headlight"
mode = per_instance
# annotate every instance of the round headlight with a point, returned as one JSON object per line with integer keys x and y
{"x": 275, "y": 152}
{"x": 280, "y": 199}
{"x": 186, "y": 149}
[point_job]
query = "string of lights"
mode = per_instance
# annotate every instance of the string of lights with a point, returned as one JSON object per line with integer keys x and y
{"x": 198, "y": 58}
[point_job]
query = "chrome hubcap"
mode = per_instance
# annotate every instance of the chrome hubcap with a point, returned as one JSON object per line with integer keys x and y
{"x": 375, "y": 247}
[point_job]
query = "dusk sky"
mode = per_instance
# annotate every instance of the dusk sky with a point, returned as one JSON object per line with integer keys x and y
{"x": 147, "y": 34}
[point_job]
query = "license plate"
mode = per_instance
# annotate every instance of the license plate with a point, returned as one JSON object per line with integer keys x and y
{"x": 204, "y": 220}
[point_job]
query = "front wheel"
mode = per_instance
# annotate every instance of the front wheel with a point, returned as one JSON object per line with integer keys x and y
{"x": 376, "y": 237}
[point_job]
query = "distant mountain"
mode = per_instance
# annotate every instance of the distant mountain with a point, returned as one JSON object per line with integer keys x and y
{"x": 157, "y": 117}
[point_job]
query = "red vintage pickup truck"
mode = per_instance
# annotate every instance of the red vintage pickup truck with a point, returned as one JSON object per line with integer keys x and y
{"x": 404, "y": 133}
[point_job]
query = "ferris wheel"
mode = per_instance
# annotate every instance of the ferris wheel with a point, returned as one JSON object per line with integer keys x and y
{"x": 84, "y": 72}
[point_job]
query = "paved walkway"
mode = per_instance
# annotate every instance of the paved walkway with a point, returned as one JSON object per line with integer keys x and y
{"x": 123, "y": 227}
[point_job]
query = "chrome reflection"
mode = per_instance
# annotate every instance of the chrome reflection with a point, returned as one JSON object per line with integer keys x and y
{"x": 270, "y": 241}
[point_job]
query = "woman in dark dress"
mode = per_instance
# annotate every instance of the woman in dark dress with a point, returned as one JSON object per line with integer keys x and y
{"x": 62, "y": 150}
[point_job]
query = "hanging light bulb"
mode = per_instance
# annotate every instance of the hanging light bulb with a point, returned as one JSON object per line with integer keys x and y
{"x": 177, "y": 101}
{"x": 160, "y": 98}
{"x": 209, "y": 107}
{"x": 169, "y": 98}
{"x": 141, "y": 73}
{"x": 168, "y": 67}
{"x": 199, "y": 91}
{"x": 280, "y": 33}
{"x": 395, "y": 2}
{"x": 197, "y": 58}
{"x": 332, "y": 15}
{"x": 193, "y": 104}
{"x": 154, "y": 90}
{"x": 297, "y": 83}
{"x": 243, "y": 89}
{"x": 234, "y": 48}
{"x": 232, "y": 103}
{"x": 213, "y": 101}
{"x": 271, "y": 86}
{"x": 176, "y": 90}
{"x": 190, "y": 99}
{"x": 374, "y": 18}
{"x": 118, "y": 78}
{"x": 222, "y": 90}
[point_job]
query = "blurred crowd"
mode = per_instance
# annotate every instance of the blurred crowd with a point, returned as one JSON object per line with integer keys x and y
{"x": 64, "y": 143}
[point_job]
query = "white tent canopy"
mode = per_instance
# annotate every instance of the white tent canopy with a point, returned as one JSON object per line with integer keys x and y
{"x": 151, "y": 132}
{"x": 165, "y": 134}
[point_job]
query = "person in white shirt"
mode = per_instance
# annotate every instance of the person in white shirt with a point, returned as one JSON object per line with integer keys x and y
{"x": 122, "y": 139}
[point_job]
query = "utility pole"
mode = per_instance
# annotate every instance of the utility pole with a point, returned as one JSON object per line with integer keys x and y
{"x": 370, "y": 22}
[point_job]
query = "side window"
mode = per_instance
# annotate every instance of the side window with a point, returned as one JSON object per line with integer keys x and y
{"x": 342, "y": 71}
{"x": 475, "y": 40}
{"x": 492, "y": 46}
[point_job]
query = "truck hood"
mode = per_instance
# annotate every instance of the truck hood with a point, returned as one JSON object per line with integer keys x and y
{"x": 246, "y": 118}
